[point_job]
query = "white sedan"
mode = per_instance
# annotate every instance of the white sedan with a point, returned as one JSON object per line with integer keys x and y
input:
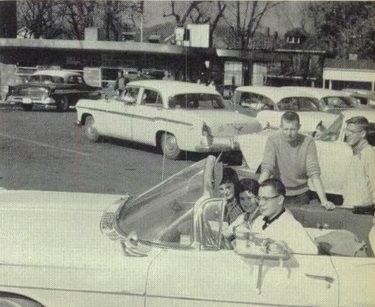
{"x": 175, "y": 116}
{"x": 333, "y": 153}
{"x": 331, "y": 100}
{"x": 162, "y": 248}
{"x": 268, "y": 103}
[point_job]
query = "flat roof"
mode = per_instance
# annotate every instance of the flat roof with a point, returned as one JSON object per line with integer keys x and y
{"x": 349, "y": 64}
{"x": 136, "y": 47}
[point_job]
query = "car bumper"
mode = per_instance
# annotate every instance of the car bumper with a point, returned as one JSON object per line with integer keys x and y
{"x": 216, "y": 144}
{"x": 20, "y": 100}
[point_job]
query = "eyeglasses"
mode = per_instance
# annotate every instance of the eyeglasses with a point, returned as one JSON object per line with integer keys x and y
{"x": 265, "y": 198}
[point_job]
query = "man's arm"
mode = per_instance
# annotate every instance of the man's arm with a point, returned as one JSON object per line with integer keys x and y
{"x": 319, "y": 189}
{"x": 313, "y": 172}
{"x": 268, "y": 162}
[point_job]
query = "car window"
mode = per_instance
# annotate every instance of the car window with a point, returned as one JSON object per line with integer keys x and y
{"x": 337, "y": 102}
{"x": 197, "y": 101}
{"x": 306, "y": 104}
{"x": 130, "y": 94}
{"x": 254, "y": 101}
{"x": 151, "y": 98}
{"x": 46, "y": 79}
{"x": 331, "y": 133}
{"x": 288, "y": 104}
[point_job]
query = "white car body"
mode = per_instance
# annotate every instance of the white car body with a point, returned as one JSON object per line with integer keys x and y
{"x": 273, "y": 97}
{"x": 196, "y": 130}
{"x": 331, "y": 100}
{"x": 334, "y": 154}
{"x": 76, "y": 249}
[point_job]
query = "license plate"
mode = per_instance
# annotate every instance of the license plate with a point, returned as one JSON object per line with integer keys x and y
{"x": 26, "y": 100}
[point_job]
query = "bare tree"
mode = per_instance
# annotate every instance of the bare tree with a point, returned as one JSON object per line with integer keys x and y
{"x": 38, "y": 19}
{"x": 78, "y": 14}
{"x": 198, "y": 12}
{"x": 244, "y": 19}
{"x": 118, "y": 17}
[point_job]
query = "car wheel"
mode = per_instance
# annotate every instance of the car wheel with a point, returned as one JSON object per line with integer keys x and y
{"x": 90, "y": 130}
{"x": 169, "y": 146}
{"x": 14, "y": 301}
{"x": 62, "y": 104}
{"x": 27, "y": 107}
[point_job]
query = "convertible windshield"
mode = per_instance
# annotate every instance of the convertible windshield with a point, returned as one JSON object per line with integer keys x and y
{"x": 197, "y": 101}
{"x": 164, "y": 214}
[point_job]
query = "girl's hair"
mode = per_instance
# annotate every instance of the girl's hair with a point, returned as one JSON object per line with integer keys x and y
{"x": 230, "y": 176}
{"x": 249, "y": 185}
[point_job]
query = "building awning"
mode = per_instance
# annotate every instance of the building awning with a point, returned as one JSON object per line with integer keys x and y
{"x": 100, "y": 46}
{"x": 350, "y": 64}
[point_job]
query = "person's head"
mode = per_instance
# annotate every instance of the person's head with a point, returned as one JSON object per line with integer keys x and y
{"x": 271, "y": 196}
{"x": 248, "y": 192}
{"x": 356, "y": 130}
{"x": 120, "y": 73}
{"x": 228, "y": 187}
{"x": 290, "y": 125}
{"x": 166, "y": 73}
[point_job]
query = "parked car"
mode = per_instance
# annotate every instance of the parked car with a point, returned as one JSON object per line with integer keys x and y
{"x": 176, "y": 116}
{"x": 162, "y": 248}
{"x": 268, "y": 103}
{"x": 333, "y": 153}
{"x": 52, "y": 88}
{"x": 332, "y": 101}
{"x": 363, "y": 97}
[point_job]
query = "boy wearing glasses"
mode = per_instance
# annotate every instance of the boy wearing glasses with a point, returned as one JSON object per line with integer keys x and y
{"x": 359, "y": 188}
{"x": 277, "y": 223}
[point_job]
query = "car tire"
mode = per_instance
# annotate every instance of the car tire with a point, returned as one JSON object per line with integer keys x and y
{"x": 90, "y": 131}
{"x": 169, "y": 146}
{"x": 27, "y": 107}
{"x": 62, "y": 104}
{"x": 15, "y": 301}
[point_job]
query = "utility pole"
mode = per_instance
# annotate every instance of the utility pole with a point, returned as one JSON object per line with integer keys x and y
{"x": 140, "y": 7}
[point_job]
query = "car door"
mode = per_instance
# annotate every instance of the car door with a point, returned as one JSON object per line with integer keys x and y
{"x": 119, "y": 114}
{"x": 147, "y": 116}
{"x": 205, "y": 276}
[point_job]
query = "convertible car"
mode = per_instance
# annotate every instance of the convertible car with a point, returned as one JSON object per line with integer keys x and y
{"x": 333, "y": 153}
{"x": 162, "y": 248}
{"x": 171, "y": 115}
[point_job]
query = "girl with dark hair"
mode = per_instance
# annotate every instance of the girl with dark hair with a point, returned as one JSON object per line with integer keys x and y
{"x": 229, "y": 189}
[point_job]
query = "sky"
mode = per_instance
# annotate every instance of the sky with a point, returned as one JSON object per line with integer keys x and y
{"x": 283, "y": 18}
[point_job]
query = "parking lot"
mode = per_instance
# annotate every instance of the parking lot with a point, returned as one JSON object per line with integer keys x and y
{"x": 44, "y": 150}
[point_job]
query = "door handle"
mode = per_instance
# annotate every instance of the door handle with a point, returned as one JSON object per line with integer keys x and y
{"x": 328, "y": 279}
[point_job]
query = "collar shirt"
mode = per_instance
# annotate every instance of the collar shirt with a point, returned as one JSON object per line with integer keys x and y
{"x": 232, "y": 212}
{"x": 287, "y": 229}
{"x": 359, "y": 185}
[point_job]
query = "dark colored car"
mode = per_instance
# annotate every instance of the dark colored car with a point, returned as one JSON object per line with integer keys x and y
{"x": 52, "y": 88}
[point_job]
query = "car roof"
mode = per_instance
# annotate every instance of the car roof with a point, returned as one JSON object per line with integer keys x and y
{"x": 170, "y": 88}
{"x": 56, "y": 73}
{"x": 273, "y": 92}
{"x": 319, "y": 92}
{"x": 367, "y": 112}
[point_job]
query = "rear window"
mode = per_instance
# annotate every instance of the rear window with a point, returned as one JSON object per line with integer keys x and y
{"x": 46, "y": 79}
{"x": 298, "y": 104}
{"x": 197, "y": 101}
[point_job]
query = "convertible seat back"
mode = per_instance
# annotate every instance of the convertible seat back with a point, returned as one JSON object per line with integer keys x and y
{"x": 315, "y": 216}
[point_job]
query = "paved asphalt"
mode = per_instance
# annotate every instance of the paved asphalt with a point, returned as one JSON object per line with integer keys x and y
{"x": 43, "y": 150}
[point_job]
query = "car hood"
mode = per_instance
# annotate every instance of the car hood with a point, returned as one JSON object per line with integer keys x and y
{"x": 309, "y": 120}
{"x": 56, "y": 229}
{"x": 224, "y": 122}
